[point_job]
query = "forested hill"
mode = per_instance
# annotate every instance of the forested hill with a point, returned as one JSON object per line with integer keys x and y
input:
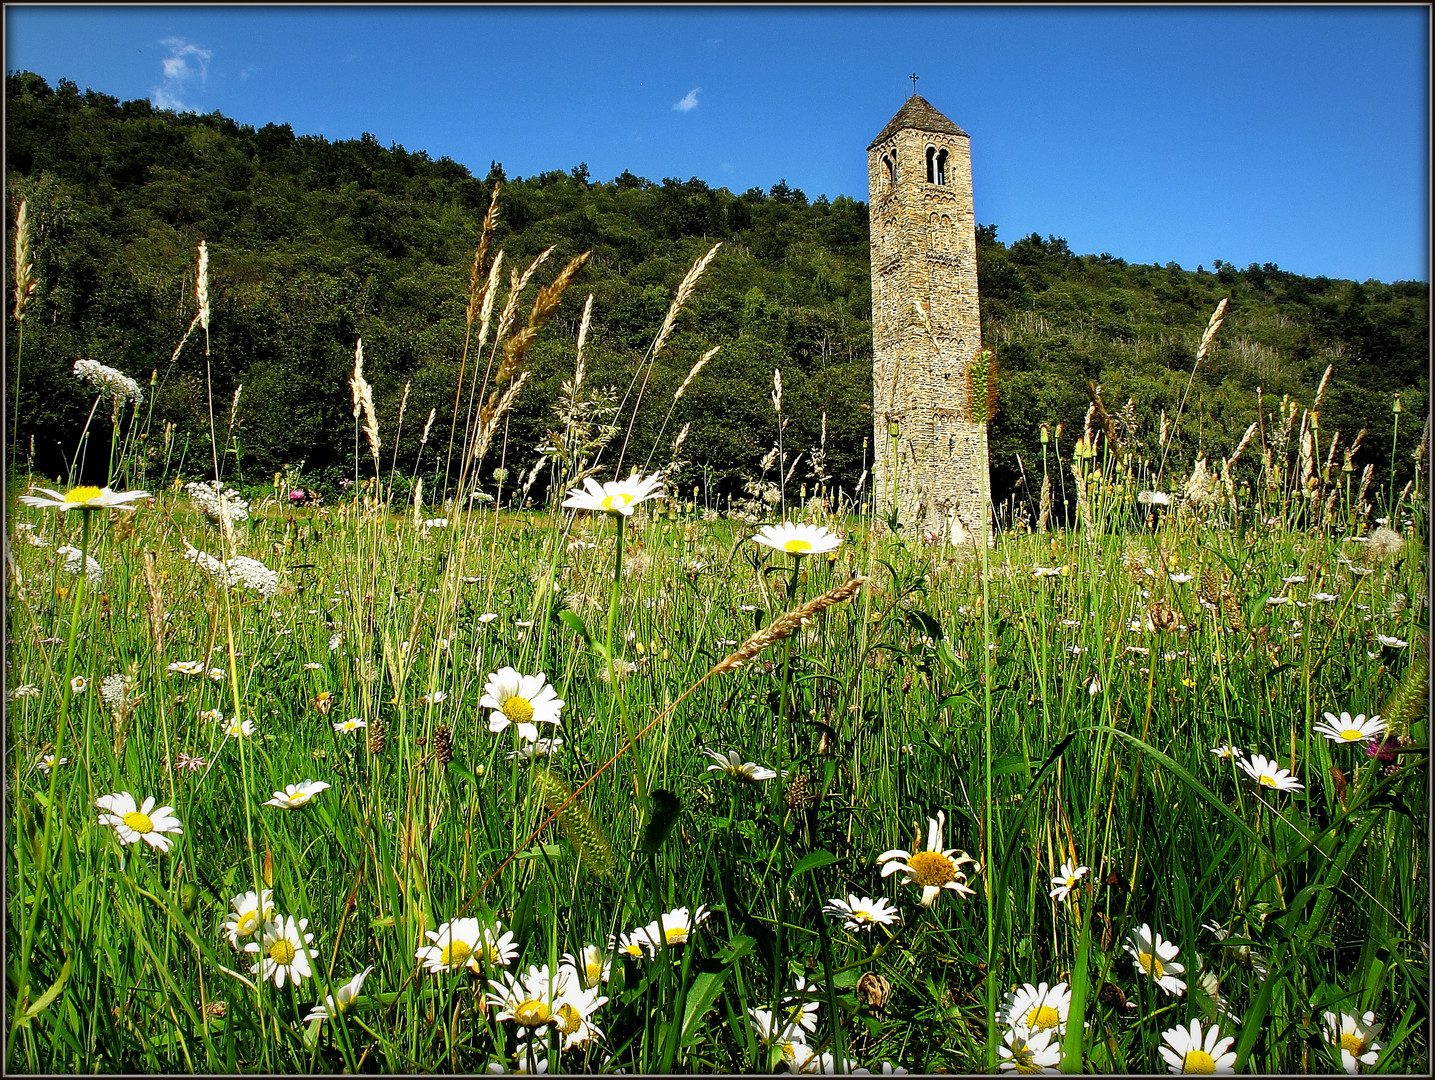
{"x": 314, "y": 243}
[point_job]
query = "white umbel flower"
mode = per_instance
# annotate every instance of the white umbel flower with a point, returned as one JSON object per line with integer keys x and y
{"x": 109, "y": 381}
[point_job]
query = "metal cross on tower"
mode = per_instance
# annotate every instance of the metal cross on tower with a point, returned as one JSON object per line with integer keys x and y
{"x": 914, "y": 84}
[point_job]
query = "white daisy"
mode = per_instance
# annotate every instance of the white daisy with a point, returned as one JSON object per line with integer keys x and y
{"x": 136, "y": 823}
{"x": 862, "y": 912}
{"x": 524, "y": 700}
{"x": 282, "y": 953}
{"x": 530, "y": 1000}
{"x": 456, "y": 944}
{"x": 239, "y": 728}
{"x": 1155, "y": 958}
{"x": 354, "y": 723}
{"x": 1029, "y": 1052}
{"x": 932, "y": 868}
{"x": 1343, "y": 729}
{"x": 1268, "y": 773}
{"x": 591, "y": 966}
{"x": 295, "y": 795}
{"x": 1064, "y": 882}
{"x": 1188, "y": 1052}
{"x": 731, "y": 763}
{"x": 342, "y": 1000}
{"x": 248, "y": 913}
{"x": 85, "y": 497}
{"x": 1354, "y": 1037}
{"x": 616, "y": 496}
{"x": 798, "y": 539}
{"x": 1035, "y": 1009}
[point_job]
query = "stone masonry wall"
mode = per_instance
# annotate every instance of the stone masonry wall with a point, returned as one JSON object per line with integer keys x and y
{"x": 924, "y": 250}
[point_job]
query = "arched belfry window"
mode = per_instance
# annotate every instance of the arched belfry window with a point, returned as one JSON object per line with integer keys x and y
{"x": 941, "y": 167}
{"x": 931, "y": 164}
{"x": 891, "y": 167}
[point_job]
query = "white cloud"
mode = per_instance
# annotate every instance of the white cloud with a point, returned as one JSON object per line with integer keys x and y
{"x": 690, "y": 102}
{"x": 185, "y": 64}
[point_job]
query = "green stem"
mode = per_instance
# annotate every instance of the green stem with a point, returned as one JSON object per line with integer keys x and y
{"x": 42, "y": 865}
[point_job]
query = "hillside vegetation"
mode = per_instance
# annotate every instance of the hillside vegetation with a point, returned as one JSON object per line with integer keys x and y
{"x": 314, "y": 244}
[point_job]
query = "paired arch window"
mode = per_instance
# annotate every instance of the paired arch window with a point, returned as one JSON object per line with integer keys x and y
{"x": 936, "y": 166}
{"x": 890, "y": 164}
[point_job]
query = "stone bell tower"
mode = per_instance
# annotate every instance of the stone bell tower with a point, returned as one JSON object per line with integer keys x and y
{"x": 924, "y": 252}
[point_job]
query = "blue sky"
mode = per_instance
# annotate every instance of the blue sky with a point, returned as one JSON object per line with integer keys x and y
{"x": 1293, "y": 135}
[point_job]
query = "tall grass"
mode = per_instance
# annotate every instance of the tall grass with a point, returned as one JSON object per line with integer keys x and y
{"x": 1058, "y": 700}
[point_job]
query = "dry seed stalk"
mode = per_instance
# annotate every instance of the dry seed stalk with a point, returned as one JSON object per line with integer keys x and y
{"x": 784, "y": 625}
{"x": 476, "y": 275}
{"x": 1217, "y": 317}
{"x": 516, "y": 285}
{"x": 693, "y": 372}
{"x": 24, "y": 276}
{"x": 582, "y": 340}
{"x": 685, "y": 290}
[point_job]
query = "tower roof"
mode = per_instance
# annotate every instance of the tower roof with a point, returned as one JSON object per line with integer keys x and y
{"x": 918, "y": 113}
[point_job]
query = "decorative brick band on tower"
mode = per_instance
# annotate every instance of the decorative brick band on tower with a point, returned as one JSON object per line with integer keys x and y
{"x": 924, "y": 251}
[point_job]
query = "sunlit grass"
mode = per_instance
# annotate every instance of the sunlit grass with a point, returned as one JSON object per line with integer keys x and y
{"x": 1111, "y": 684}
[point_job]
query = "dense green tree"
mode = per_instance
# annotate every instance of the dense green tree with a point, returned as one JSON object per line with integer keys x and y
{"x": 315, "y": 243}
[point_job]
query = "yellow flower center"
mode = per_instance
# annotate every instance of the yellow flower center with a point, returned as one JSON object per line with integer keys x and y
{"x": 532, "y": 1013}
{"x": 1353, "y": 1043}
{"x": 247, "y": 923}
{"x": 518, "y": 709}
{"x": 299, "y": 798}
{"x": 140, "y": 823}
{"x": 632, "y": 948}
{"x": 592, "y": 972}
{"x": 797, "y": 546}
{"x": 1151, "y": 964}
{"x": 282, "y": 952}
{"x": 569, "y": 1019}
{"x": 1268, "y": 781}
{"x": 616, "y": 502}
{"x": 1198, "y": 1061}
{"x": 932, "y": 868}
{"x": 455, "y": 954}
{"x": 1350, "y": 734}
{"x": 1043, "y": 1017}
{"x": 676, "y": 935}
{"x": 82, "y": 494}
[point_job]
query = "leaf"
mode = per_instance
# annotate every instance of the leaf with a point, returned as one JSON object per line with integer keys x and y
{"x": 574, "y": 622}
{"x": 813, "y": 861}
{"x": 705, "y": 989}
{"x": 661, "y": 819}
{"x": 43, "y": 1001}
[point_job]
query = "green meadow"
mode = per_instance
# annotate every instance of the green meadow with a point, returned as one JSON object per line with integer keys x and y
{"x": 642, "y": 783}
